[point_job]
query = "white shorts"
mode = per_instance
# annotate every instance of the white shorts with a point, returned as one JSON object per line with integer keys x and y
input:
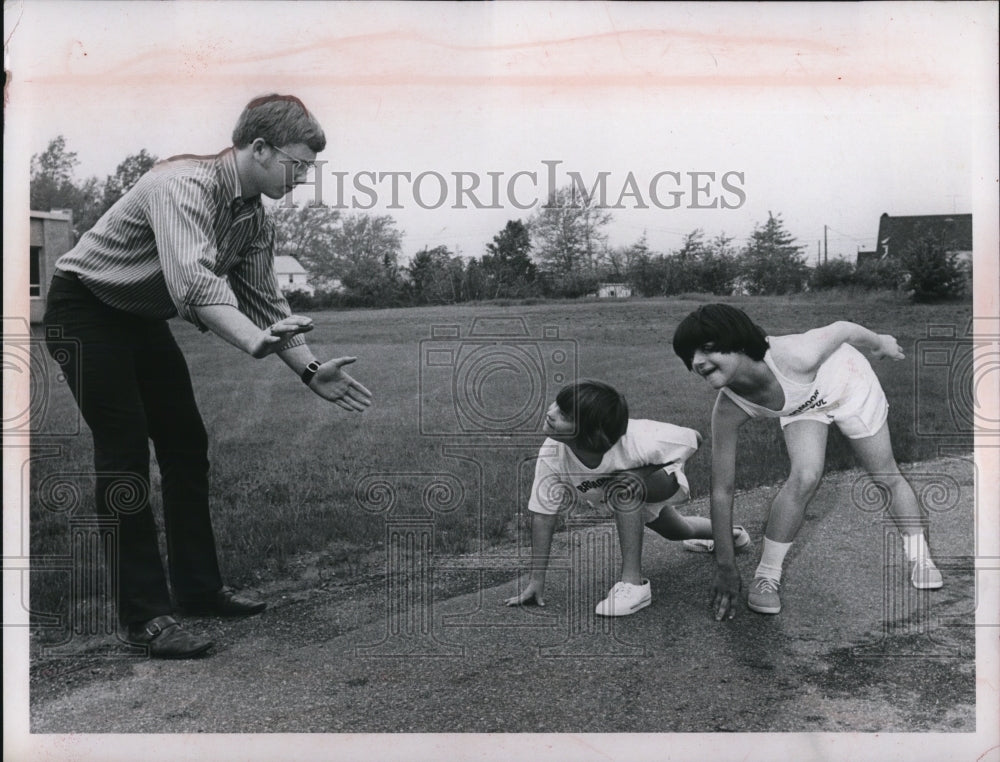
{"x": 860, "y": 412}
{"x": 652, "y": 511}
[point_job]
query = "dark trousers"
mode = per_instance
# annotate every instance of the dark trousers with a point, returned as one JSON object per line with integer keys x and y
{"x": 132, "y": 385}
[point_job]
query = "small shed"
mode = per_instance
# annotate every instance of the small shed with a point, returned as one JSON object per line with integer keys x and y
{"x": 613, "y": 291}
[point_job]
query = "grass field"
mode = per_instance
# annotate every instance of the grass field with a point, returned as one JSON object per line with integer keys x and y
{"x": 286, "y": 465}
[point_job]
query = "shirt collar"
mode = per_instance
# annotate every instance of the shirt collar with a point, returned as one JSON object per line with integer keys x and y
{"x": 230, "y": 180}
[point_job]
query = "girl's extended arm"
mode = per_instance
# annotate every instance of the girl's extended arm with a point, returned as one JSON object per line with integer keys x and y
{"x": 542, "y": 527}
{"x": 727, "y": 418}
{"x": 807, "y": 351}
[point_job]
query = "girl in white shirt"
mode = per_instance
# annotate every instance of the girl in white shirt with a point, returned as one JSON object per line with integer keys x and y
{"x": 597, "y": 460}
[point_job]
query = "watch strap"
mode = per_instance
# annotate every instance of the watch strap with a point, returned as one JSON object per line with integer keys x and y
{"x": 310, "y": 371}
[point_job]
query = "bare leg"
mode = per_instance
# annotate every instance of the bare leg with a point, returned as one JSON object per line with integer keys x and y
{"x": 673, "y": 526}
{"x": 628, "y": 522}
{"x": 806, "y": 443}
{"x": 875, "y": 454}
{"x": 629, "y": 519}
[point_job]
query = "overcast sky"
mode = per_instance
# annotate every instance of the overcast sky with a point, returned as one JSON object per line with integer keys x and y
{"x": 826, "y": 114}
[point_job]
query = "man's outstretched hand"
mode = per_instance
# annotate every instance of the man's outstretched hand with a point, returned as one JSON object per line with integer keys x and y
{"x": 272, "y": 339}
{"x": 333, "y": 385}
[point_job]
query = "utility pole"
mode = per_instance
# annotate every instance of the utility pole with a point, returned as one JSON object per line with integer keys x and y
{"x": 825, "y": 250}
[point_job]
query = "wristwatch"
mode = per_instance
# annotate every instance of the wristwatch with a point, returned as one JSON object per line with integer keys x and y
{"x": 310, "y": 371}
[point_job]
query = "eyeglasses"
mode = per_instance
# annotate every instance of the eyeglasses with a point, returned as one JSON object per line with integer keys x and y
{"x": 301, "y": 165}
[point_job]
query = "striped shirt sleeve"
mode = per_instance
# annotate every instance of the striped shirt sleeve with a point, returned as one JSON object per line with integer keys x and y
{"x": 256, "y": 286}
{"x": 181, "y": 219}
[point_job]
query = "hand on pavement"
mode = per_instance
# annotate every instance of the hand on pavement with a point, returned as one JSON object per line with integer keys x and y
{"x": 726, "y": 592}
{"x": 531, "y": 594}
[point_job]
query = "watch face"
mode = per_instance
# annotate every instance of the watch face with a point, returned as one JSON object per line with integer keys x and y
{"x": 310, "y": 371}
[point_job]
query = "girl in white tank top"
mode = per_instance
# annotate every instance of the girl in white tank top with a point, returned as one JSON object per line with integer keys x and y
{"x": 822, "y": 379}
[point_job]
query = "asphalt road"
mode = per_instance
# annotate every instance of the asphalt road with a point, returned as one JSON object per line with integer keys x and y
{"x": 855, "y": 648}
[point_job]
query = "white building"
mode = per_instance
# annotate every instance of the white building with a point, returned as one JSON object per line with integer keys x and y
{"x": 291, "y": 275}
{"x": 613, "y": 291}
{"x": 51, "y": 237}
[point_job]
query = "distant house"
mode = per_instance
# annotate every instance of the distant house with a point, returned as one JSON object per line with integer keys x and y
{"x": 895, "y": 234}
{"x": 613, "y": 291}
{"x": 291, "y": 275}
{"x": 51, "y": 236}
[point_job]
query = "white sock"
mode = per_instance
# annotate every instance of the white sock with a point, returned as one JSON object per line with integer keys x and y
{"x": 915, "y": 546}
{"x": 772, "y": 559}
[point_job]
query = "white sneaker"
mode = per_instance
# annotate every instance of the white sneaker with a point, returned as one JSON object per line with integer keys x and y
{"x": 625, "y": 599}
{"x": 924, "y": 574}
{"x": 741, "y": 541}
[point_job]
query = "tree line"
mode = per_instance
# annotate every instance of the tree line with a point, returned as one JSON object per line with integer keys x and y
{"x": 560, "y": 251}
{"x": 53, "y": 184}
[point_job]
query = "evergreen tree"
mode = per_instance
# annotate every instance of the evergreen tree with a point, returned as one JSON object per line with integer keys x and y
{"x": 718, "y": 269}
{"x": 507, "y": 267}
{"x": 933, "y": 267}
{"x": 685, "y": 265}
{"x": 772, "y": 263}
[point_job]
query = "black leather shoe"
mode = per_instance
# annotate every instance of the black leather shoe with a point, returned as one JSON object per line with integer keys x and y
{"x": 164, "y": 638}
{"x": 225, "y": 602}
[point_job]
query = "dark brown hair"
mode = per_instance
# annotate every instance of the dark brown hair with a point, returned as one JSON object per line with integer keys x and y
{"x": 280, "y": 120}
{"x": 727, "y": 328}
{"x": 599, "y": 410}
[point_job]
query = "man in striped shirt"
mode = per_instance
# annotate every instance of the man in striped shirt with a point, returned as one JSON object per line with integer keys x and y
{"x": 192, "y": 239}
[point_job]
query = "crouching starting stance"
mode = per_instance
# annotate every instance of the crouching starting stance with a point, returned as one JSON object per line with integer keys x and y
{"x": 808, "y": 381}
{"x": 632, "y": 468}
